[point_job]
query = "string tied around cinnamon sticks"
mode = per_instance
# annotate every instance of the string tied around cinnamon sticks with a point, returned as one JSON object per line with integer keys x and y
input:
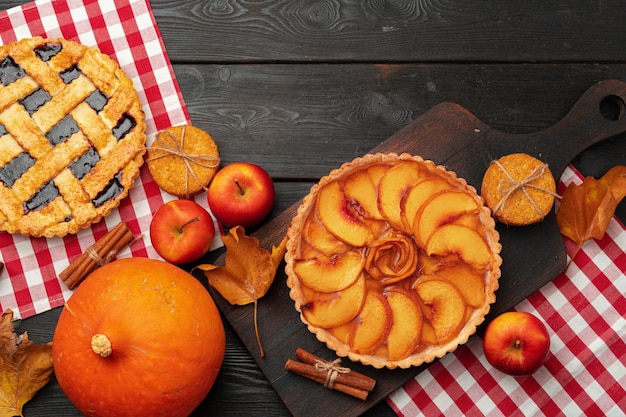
{"x": 178, "y": 149}
{"x": 100, "y": 253}
{"x": 332, "y": 370}
{"x": 330, "y": 374}
{"x": 509, "y": 185}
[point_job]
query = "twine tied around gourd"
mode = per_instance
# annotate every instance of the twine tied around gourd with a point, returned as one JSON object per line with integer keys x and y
{"x": 178, "y": 149}
{"x": 332, "y": 370}
{"x": 509, "y": 185}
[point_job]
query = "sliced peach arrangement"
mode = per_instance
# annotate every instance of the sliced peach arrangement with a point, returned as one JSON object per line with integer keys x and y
{"x": 392, "y": 257}
{"x": 405, "y": 333}
{"x": 320, "y": 239}
{"x": 392, "y": 188}
{"x": 415, "y": 198}
{"x": 467, "y": 243}
{"x": 444, "y": 305}
{"x": 330, "y": 273}
{"x": 342, "y": 216}
{"x": 329, "y": 310}
{"x": 448, "y": 206}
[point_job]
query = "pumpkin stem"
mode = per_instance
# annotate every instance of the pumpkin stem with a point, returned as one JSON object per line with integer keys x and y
{"x": 101, "y": 345}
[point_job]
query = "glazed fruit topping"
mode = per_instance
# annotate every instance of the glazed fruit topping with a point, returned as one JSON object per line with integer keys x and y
{"x": 85, "y": 163}
{"x": 124, "y": 126}
{"x": 15, "y": 168}
{"x": 97, "y": 100}
{"x": 42, "y": 197}
{"x": 70, "y": 74}
{"x": 10, "y": 71}
{"x": 417, "y": 240}
{"x": 48, "y": 50}
{"x": 35, "y": 100}
{"x": 62, "y": 131}
{"x": 109, "y": 192}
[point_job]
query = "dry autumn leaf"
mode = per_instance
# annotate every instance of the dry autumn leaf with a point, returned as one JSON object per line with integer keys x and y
{"x": 24, "y": 367}
{"x": 615, "y": 179}
{"x": 586, "y": 209}
{"x": 248, "y": 272}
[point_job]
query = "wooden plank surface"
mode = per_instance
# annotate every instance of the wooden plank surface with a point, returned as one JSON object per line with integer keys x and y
{"x": 390, "y": 31}
{"x": 301, "y": 87}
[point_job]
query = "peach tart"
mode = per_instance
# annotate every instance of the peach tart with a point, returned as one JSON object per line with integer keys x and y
{"x": 392, "y": 260}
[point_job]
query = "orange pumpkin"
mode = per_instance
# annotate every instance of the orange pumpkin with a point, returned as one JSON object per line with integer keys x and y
{"x": 138, "y": 337}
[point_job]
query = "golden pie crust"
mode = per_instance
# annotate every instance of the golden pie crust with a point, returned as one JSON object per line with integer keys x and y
{"x": 384, "y": 280}
{"x": 72, "y": 136}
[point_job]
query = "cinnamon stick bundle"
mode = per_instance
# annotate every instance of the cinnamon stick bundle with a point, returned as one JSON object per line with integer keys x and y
{"x": 100, "y": 253}
{"x": 331, "y": 375}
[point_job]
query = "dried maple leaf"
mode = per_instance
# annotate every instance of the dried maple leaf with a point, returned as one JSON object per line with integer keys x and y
{"x": 586, "y": 209}
{"x": 248, "y": 273}
{"x": 24, "y": 367}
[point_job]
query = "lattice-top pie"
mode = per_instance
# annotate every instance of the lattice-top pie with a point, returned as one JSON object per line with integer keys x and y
{"x": 72, "y": 136}
{"x": 392, "y": 260}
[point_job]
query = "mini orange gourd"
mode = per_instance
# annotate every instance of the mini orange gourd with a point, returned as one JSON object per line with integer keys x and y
{"x": 138, "y": 337}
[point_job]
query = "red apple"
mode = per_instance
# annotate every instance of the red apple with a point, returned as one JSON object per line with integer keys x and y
{"x": 516, "y": 343}
{"x": 181, "y": 231}
{"x": 241, "y": 194}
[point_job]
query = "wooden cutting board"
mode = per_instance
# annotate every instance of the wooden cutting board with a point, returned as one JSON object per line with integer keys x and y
{"x": 532, "y": 256}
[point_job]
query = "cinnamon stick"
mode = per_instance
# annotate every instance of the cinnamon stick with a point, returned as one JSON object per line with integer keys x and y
{"x": 101, "y": 252}
{"x": 330, "y": 374}
{"x": 308, "y": 371}
{"x": 351, "y": 378}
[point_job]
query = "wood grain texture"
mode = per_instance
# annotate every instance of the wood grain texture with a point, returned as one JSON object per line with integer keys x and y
{"x": 389, "y": 31}
{"x": 303, "y": 86}
{"x": 287, "y": 116}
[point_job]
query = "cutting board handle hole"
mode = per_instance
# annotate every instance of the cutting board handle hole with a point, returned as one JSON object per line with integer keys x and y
{"x": 612, "y": 107}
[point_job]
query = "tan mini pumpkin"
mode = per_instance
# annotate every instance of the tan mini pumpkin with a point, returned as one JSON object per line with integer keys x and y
{"x": 139, "y": 337}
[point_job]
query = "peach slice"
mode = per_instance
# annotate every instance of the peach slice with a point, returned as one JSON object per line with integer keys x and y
{"x": 343, "y": 333}
{"x": 316, "y": 235}
{"x": 376, "y": 172}
{"x": 406, "y": 330}
{"x": 472, "y": 220}
{"x": 467, "y": 280}
{"x": 442, "y": 208}
{"x": 429, "y": 337}
{"x": 393, "y": 186}
{"x": 417, "y": 196}
{"x": 447, "y": 307}
{"x": 466, "y": 243}
{"x": 328, "y": 310}
{"x": 373, "y": 323}
{"x": 360, "y": 188}
{"x": 340, "y": 218}
{"x": 330, "y": 273}
{"x": 308, "y": 251}
{"x": 427, "y": 264}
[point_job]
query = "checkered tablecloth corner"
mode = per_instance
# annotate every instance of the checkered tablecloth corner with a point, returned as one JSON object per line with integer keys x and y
{"x": 127, "y": 31}
{"x": 584, "y": 309}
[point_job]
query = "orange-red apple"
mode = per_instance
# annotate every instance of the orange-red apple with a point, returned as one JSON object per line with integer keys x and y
{"x": 241, "y": 194}
{"x": 181, "y": 231}
{"x": 516, "y": 343}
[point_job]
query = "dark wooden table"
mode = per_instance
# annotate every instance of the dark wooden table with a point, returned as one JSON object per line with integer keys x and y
{"x": 300, "y": 87}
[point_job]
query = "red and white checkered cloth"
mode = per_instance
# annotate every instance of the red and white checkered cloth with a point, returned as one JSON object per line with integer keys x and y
{"x": 585, "y": 372}
{"x": 127, "y": 31}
